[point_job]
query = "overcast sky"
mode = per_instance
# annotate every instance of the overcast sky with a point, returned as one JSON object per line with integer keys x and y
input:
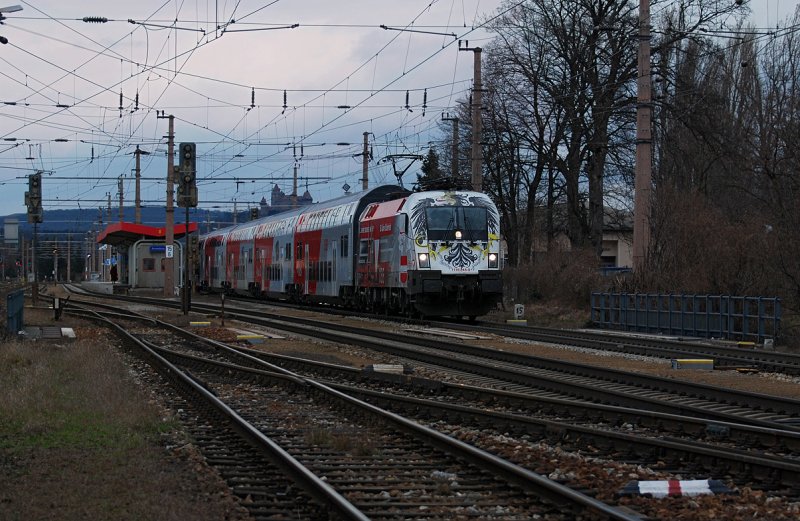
{"x": 223, "y": 74}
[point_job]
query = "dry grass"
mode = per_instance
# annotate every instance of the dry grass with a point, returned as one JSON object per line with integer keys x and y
{"x": 71, "y": 396}
{"x": 79, "y": 439}
{"x": 352, "y": 441}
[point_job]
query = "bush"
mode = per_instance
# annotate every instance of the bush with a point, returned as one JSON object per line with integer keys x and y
{"x": 563, "y": 277}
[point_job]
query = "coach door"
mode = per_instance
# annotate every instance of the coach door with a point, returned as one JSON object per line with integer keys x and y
{"x": 334, "y": 277}
{"x": 305, "y": 269}
{"x": 231, "y": 270}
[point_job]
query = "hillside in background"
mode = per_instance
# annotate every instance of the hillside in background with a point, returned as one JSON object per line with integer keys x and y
{"x": 84, "y": 220}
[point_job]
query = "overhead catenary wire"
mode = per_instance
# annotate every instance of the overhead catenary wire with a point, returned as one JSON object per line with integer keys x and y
{"x": 248, "y": 139}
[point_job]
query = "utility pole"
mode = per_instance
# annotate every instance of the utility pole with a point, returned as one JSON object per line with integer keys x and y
{"x": 35, "y": 287}
{"x": 169, "y": 284}
{"x": 644, "y": 142}
{"x": 69, "y": 259}
{"x": 138, "y": 153}
{"x": 294, "y": 187}
{"x": 55, "y": 262}
{"x": 121, "y": 208}
{"x": 107, "y": 254}
{"x": 476, "y": 158}
{"x": 454, "y": 159}
{"x": 365, "y": 163}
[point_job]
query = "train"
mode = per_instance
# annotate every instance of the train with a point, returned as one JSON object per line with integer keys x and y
{"x": 385, "y": 250}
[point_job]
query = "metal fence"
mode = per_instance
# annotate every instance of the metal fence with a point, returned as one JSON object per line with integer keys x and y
{"x": 15, "y": 304}
{"x": 752, "y": 319}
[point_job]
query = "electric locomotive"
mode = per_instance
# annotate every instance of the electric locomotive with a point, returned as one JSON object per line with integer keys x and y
{"x": 433, "y": 253}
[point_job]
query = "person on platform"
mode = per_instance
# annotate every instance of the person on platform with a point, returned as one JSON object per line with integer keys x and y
{"x": 113, "y": 273}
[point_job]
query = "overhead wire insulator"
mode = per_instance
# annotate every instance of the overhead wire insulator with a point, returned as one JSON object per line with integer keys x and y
{"x": 120, "y": 100}
{"x": 253, "y": 98}
{"x": 95, "y": 19}
{"x": 424, "y": 102}
{"x": 284, "y": 102}
{"x": 407, "y": 107}
{"x": 136, "y": 101}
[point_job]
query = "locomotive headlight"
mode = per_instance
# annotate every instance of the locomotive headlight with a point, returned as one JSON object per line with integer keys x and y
{"x": 424, "y": 260}
{"x": 492, "y": 260}
{"x": 458, "y": 235}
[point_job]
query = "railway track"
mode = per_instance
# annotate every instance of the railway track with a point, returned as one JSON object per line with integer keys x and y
{"x": 638, "y": 445}
{"x": 405, "y": 469}
{"x": 724, "y": 356}
{"x": 732, "y": 449}
{"x": 521, "y": 373}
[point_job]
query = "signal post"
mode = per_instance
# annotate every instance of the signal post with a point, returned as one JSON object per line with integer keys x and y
{"x": 187, "y": 198}
{"x": 33, "y": 200}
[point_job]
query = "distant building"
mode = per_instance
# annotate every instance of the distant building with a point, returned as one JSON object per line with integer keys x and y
{"x": 280, "y": 202}
{"x": 617, "y": 236}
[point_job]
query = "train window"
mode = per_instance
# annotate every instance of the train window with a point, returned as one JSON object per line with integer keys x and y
{"x": 473, "y": 220}
{"x": 299, "y": 255}
{"x": 443, "y": 221}
{"x": 363, "y": 251}
{"x": 148, "y": 264}
{"x": 288, "y": 255}
{"x": 385, "y": 249}
{"x": 343, "y": 245}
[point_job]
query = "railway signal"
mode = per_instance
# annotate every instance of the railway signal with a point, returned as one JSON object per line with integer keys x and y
{"x": 33, "y": 198}
{"x": 187, "y": 174}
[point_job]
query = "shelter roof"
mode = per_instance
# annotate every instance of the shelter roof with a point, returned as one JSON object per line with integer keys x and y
{"x": 127, "y": 233}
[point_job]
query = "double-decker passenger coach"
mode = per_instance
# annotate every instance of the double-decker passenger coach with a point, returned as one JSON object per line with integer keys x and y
{"x": 434, "y": 253}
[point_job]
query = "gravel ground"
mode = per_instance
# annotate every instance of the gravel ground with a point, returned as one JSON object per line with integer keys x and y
{"x": 169, "y": 480}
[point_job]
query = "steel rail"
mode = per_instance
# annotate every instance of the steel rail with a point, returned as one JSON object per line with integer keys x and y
{"x": 554, "y": 492}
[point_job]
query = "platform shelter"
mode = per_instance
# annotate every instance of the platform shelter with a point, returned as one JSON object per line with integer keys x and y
{"x": 139, "y": 253}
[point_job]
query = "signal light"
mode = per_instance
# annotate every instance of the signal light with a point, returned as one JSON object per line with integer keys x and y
{"x": 33, "y": 198}
{"x": 188, "y": 174}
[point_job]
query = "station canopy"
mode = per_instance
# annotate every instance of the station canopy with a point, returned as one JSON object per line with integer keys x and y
{"x": 123, "y": 233}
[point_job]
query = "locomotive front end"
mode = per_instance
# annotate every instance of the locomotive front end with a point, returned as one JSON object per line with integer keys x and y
{"x": 455, "y": 269}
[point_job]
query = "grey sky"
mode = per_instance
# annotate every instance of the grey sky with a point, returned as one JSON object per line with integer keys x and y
{"x": 65, "y": 76}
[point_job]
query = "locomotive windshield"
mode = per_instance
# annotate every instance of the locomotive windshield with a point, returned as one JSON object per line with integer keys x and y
{"x": 444, "y": 221}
